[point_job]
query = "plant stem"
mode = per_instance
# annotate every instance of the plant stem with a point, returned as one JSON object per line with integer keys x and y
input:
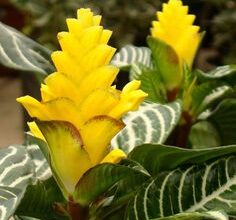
{"x": 76, "y": 211}
{"x": 183, "y": 130}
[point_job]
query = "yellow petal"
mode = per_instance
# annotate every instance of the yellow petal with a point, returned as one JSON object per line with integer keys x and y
{"x": 115, "y": 156}
{"x": 34, "y": 107}
{"x": 69, "y": 159}
{"x": 85, "y": 16}
{"x": 35, "y": 130}
{"x": 75, "y": 27}
{"x": 67, "y": 65}
{"x": 99, "y": 78}
{"x": 104, "y": 100}
{"x": 97, "y": 134}
{"x": 61, "y": 85}
{"x": 61, "y": 109}
{"x": 70, "y": 44}
{"x": 130, "y": 100}
{"x": 91, "y": 37}
{"x": 106, "y": 34}
{"x": 98, "y": 57}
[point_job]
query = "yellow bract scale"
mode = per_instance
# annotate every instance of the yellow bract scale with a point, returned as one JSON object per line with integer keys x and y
{"x": 115, "y": 156}
{"x": 98, "y": 132}
{"x": 80, "y": 103}
{"x": 175, "y": 27}
{"x": 35, "y": 130}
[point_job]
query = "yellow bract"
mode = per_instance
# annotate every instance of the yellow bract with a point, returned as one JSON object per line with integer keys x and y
{"x": 80, "y": 92}
{"x": 175, "y": 27}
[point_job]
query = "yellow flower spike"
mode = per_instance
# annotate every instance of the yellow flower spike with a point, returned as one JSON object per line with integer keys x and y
{"x": 80, "y": 110}
{"x": 175, "y": 27}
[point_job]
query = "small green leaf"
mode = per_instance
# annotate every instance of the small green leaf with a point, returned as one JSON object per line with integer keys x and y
{"x": 152, "y": 123}
{"x": 98, "y": 180}
{"x": 41, "y": 201}
{"x": 151, "y": 82}
{"x": 20, "y": 52}
{"x": 167, "y": 63}
{"x": 204, "y": 135}
{"x": 224, "y": 120}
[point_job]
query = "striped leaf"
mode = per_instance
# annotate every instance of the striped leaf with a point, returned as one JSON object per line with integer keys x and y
{"x": 34, "y": 147}
{"x": 129, "y": 55}
{"x": 20, "y": 52}
{"x": 202, "y": 187}
{"x": 16, "y": 168}
{"x": 211, "y": 215}
{"x": 10, "y": 198}
{"x": 208, "y": 93}
{"x": 157, "y": 158}
{"x": 152, "y": 123}
{"x": 100, "y": 179}
{"x": 218, "y": 73}
{"x": 16, "y": 172}
{"x": 41, "y": 200}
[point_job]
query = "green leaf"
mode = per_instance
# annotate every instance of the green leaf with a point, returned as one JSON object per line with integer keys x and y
{"x": 218, "y": 73}
{"x": 20, "y": 52}
{"x": 42, "y": 201}
{"x": 224, "y": 120}
{"x": 16, "y": 172}
{"x": 10, "y": 198}
{"x": 204, "y": 135}
{"x": 129, "y": 55}
{"x": 158, "y": 158}
{"x": 202, "y": 187}
{"x": 151, "y": 82}
{"x": 152, "y": 123}
{"x": 98, "y": 180}
{"x": 167, "y": 63}
{"x": 35, "y": 148}
{"x": 211, "y": 215}
{"x": 208, "y": 93}
{"x": 16, "y": 167}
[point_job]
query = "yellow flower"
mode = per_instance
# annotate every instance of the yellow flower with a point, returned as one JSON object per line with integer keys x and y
{"x": 80, "y": 110}
{"x": 175, "y": 27}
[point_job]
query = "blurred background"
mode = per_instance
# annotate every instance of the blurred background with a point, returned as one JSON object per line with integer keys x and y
{"x": 130, "y": 21}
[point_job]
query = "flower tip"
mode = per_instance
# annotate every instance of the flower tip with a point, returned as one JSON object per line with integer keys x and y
{"x": 115, "y": 156}
{"x": 131, "y": 86}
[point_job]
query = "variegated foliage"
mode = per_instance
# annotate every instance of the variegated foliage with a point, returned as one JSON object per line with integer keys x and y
{"x": 20, "y": 52}
{"x": 130, "y": 55}
{"x": 164, "y": 182}
{"x": 152, "y": 123}
{"x": 20, "y": 166}
{"x": 194, "y": 188}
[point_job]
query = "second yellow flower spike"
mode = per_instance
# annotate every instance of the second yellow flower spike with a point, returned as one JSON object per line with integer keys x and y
{"x": 175, "y": 27}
